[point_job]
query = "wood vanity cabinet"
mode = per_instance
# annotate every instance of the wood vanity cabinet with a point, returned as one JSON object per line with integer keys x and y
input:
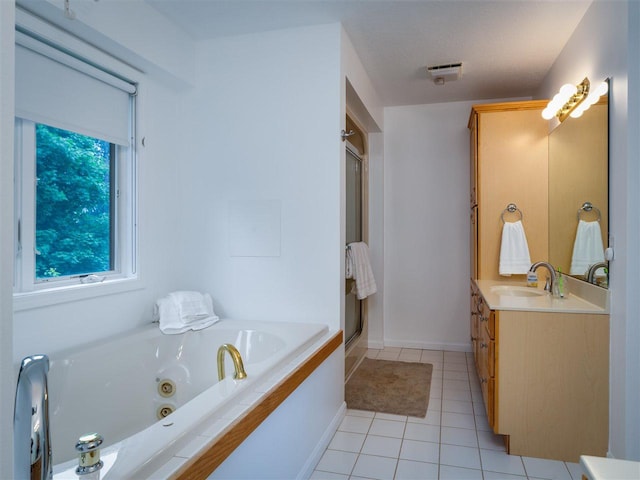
{"x": 484, "y": 347}
{"x": 544, "y": 379}
{"x": 544, "y": 376}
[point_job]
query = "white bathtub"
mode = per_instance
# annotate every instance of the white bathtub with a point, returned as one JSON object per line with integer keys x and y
{"x": 111, "y": 387}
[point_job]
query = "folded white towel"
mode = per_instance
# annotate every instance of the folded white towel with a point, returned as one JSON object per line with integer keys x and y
{"x": 514, "y": 250}
{"x": 587, "y": 248}
{"x": 182, "y": 311}
{"x": 358, "y": 267}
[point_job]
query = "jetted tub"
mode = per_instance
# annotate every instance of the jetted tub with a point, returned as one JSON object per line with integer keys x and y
{"x": 118, "y": 388}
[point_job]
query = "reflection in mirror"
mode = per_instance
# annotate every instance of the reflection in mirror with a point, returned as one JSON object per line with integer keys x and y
{"x": 578, "y": 195}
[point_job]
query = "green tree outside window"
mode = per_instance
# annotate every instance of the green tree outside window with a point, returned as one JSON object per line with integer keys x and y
{"x": 74, "y": 194}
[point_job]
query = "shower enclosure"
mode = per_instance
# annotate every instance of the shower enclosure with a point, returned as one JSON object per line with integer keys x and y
{"x": 356, "y": 178}
{"x": 353, "y": 306}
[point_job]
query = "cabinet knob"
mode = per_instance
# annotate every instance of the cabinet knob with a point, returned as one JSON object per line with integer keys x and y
{"x": 483, "y": 380}
{"x": 483, "y": 345}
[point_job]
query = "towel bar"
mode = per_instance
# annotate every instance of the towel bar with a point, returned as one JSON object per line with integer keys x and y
{"x": 511, "y": 208}
{"x": 588, "y": 207}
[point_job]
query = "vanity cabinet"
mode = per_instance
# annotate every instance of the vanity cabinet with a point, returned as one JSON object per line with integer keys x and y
{"x": 484, "y": 348}
{"x": 509, "y": 164}
{"x": 544, "y": 378}
{"x": 544, "y": 372}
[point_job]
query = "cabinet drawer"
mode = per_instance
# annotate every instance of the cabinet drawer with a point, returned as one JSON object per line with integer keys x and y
{"x": 474, "y": 326}
{"x": 486, "y": 365}
{"x": 487, "y": 319}
{"x": 487, "y": 382}
{"x": 487, "y": 349}
{"x": 488, "y": 390}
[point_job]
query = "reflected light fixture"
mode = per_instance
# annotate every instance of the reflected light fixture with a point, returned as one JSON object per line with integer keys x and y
{"x": 574, "y": 100}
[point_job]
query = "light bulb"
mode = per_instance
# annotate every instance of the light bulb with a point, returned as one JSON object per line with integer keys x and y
{"x": 548, "y": 113}
{"x": 567, "y": 90}
{"x": 602, "y": 89}
{"x": 577, "y": 112}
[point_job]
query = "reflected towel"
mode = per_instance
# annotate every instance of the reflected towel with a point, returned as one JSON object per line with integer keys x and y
{"x": 587, "y": 248}
{"x": 182, "y": 311}
{"x": 514, "y": 250}
{"x": 358, "y": 267}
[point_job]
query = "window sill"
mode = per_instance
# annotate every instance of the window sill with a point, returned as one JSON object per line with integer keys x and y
{"x": 72, "y": 293}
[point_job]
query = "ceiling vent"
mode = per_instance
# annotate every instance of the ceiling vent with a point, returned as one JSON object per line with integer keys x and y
{"x": 445, "y": 73}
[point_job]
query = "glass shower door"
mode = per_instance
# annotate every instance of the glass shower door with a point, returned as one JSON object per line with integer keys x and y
{"x": 353, "y": 306}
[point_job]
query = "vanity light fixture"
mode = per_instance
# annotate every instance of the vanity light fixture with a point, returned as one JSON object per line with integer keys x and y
{"x": 574, "y": 100}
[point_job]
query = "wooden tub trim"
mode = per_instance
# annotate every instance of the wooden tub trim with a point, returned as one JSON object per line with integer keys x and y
{"x": 201, "y": 466}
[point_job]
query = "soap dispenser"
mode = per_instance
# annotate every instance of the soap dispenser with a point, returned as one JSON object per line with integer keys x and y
{"x": 560, "y": 286}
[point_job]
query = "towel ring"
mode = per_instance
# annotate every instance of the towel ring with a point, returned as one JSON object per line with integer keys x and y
{"x": 511, "y": 208}
{"x": 588, "y": 207}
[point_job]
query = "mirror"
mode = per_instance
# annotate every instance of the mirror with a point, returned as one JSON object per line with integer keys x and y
{"x": 579, "y": 193}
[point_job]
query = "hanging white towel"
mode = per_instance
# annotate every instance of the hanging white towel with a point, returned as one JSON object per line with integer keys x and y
{"x": 587, "y": 248}
{"x": 358, "y": 267}
{"x": 182, "y": 311}
{"x": 514, "y": 250}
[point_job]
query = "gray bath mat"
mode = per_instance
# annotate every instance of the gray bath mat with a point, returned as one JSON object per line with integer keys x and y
{"x": 386, "y": 386}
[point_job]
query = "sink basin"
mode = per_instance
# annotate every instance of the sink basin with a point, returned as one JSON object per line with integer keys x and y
{"x": 515, "y": 291}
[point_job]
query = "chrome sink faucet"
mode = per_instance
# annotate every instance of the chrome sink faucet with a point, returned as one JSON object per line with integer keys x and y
{"x": 591, "y": 273}
{"x": 552, "y": 274}
{"x": 31, "y": 437}
{"x": 238, "y": 366}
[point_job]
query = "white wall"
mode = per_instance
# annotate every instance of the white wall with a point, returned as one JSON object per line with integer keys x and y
{"x": 426, "y": 230}
{"x": 7, "y": 374}
{"x": 606, "y": 44}
{"x": 262, "y": 169}
{"x": 133, "y": 32}
{"x": 376, "y": 239}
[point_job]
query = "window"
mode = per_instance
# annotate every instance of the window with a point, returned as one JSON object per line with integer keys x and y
{"x": 75, "y": 171}
{"x": 74, "y": 203}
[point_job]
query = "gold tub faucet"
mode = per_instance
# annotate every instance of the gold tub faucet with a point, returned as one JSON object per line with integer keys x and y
{"x": 237, "y": 362}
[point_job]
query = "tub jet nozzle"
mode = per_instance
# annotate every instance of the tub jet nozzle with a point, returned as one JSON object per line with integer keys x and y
{"x": 166, "y": 388}
{"x": 164, "y": 410}
{"x": 89, "y": 447}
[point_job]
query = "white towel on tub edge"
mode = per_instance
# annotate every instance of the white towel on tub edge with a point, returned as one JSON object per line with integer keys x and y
{"x": 181, "y": 311}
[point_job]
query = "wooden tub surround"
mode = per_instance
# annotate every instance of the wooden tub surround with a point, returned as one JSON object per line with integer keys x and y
{"x": 201, "y": 466}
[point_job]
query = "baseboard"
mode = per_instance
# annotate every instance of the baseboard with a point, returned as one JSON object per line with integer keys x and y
{"x": 452, "y": 347}
{"x": 375, "y": 345}
{"x": 322, "y": 445}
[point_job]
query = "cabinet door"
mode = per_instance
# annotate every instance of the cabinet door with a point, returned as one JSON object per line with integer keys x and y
{"x": 474, "y": 327}
{"x": 486, "y": 367}
{"x": 512, "y": 167}
{"x": 473, "y": 241}
{"x": 487, "y": 320}
{"x": 473, "y": 149}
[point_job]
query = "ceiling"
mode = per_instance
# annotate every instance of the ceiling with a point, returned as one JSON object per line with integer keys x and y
{"x": 506, "y": 47}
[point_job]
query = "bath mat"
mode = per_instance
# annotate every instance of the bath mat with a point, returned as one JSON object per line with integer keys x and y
{"x": 386, "y": 386}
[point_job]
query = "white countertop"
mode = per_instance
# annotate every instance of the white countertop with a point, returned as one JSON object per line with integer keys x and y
{"x": 538, "y": 303}
{"x": 599, "y": 468}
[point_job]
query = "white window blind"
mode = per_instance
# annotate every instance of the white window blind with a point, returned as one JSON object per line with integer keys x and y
{"x": 62, "y": 91}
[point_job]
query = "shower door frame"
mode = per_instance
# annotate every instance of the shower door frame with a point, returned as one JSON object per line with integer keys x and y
{"x": 356, "y": 346}
{"x": 351, "y": 150}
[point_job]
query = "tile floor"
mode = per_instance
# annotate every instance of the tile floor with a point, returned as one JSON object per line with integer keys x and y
{"x": 453, "y": 441}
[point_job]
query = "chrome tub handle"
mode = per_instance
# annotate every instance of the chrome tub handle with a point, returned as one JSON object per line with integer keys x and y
{"x": 31, "y": 437}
